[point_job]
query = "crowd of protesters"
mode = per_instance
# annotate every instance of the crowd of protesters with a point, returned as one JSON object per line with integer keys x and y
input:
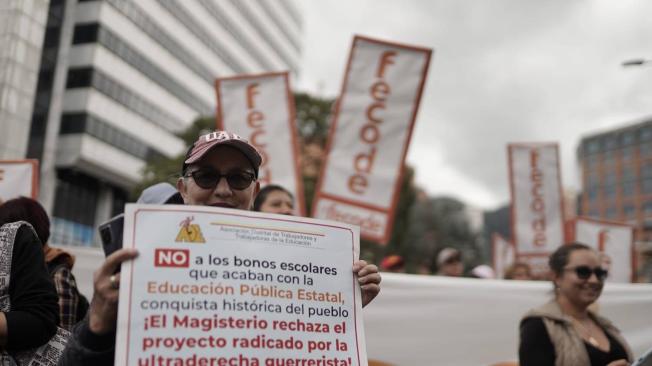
{"x": 38, "y": 292}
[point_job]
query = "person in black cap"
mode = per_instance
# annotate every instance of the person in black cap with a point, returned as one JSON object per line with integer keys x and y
{"x": 221, "y": 170}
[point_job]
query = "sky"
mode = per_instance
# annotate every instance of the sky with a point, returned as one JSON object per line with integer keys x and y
{"x": 502, "y": 71}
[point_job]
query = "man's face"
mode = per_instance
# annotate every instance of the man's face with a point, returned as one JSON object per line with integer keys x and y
{"x": 453, "y": 268}
{"x": 224, "y": 160}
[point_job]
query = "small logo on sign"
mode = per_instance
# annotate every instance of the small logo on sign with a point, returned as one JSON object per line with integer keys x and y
{"x": 189, "y": 232}
{"x": 177, "y": 258}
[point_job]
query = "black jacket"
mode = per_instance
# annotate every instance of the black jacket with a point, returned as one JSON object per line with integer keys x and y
{"x": 34, "y": 312}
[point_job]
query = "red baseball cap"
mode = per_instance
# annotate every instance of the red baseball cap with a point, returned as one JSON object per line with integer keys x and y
{"x": 220, "y": 138}
{"x": 392, "y": 262}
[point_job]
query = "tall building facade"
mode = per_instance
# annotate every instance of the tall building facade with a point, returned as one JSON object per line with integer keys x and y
{"x": 22, "y": 29}
{"x": 617, "y": 176}
{"x": 119, "y": 78}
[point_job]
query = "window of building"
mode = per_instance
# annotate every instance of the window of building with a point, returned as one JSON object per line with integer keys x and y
{"x": 611, "y": 212}
{"x": 610, "y": 179}
{"x": 73, "y": 123}
{"x": 609, "y": 192}
{"x": 645, "y": 150}
{"x": 609, "y": 158}
{"x": 592, "y": 146}
{"x": 592, "y": 179}
{"x": 76, "y": 197}
{"x": 592, "y": 194}
{"x": 647, "y": 186}
{"x": 594, "y": 213}
{"x": 610, "y": 142}
{"x": 629, "y": 173}
{"x": 647, "y": 208}
{"x": 629, "y": 210}
{"x": 646, "y": 133}
{"x": 119, "y": 200}
{"x": 627, "y": 153}
{"x": 85, "y": 33}
{"x": 646, "y": 170}
{"x": 592, "y": 162}
{"x": 629, "y": 189}
{"x": 74, "y": 208}
{"x": 627, "y": 138}
{"x": 79, "y": 78}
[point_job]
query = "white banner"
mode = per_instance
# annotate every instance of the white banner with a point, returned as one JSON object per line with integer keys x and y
{"x": 370, "y": 135}
{"x": 18, "y": 178}
{"x": 431, "y": 320}
{"x": 614, "y": 240}
{"x": 502, "y": 254}
{"x": 537, "y": 201}
{"x": 260, "y": 108}
{"x": 228, "y": 287}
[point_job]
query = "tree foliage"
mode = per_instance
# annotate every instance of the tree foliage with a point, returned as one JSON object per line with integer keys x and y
{"x": 437, "y": 223}
{"x": 168, "y": 169}
{"x": 313, "y": 117}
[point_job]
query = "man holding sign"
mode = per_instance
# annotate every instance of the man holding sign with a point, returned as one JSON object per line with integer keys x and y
{"x": 220, "y": 170}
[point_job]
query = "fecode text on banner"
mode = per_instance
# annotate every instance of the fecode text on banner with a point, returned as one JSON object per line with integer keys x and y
{"x": 260, "y": 108}
{"x": 370, "y": 134}
{"x": 537, "y": 207}
{"x": 226, "y": 287}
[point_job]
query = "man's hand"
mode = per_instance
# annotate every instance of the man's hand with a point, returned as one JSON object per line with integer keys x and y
{"x": 103, "y": 312}
{"x": 369, "y": 280}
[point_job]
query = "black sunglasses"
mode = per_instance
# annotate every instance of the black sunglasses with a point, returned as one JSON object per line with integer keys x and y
{"x": 210, "y": 178}
{"x": 584, "y": 272}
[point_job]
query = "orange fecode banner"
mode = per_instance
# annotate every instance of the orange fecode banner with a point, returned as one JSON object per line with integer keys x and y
{"x": 260, "y": 108}
{"x": 537, "y": 202}
{"x": 615, "y": 242}
{"x": 370, "y": 135}
{"x": 18, "y": 178}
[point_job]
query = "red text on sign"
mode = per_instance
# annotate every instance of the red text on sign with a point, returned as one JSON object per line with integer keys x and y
{"x": 256, "y": 121}
{"x": 537, "y": 205}
{"x": 369, "y": 134}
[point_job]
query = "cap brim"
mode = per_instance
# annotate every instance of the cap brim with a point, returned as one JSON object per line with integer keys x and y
{"x": 249, "y": 151}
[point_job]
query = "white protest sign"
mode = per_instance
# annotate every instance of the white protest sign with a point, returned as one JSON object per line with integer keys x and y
{"x": 370, "y": 135}
{"x": 537, "y": 202}
{"x": 260, "y": 108}
{"x": 216, "y": 286}
{"x": 502, "y": 254}
{"x": 615, "y": 240}
{"x": 18, "y": 178}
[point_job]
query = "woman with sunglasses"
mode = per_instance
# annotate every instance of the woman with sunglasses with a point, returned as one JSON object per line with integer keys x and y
{"x": 565, "y": 332}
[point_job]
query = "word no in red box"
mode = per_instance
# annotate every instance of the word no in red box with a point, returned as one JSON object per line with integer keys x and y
{"x": 178, "y": 258}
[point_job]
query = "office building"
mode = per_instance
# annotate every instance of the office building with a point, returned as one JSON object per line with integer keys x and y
{"x": 119, "y": 78}
{"x": 616, "y": 168}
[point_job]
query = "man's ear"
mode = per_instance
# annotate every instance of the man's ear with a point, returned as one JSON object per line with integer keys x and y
{"x": 181, "y": 187}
